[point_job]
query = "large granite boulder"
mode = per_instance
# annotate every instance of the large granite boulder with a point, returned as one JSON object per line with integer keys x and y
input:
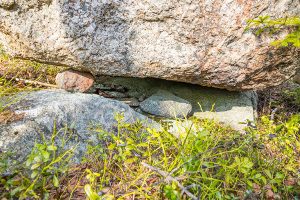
{"x": 196, "y": 41}
{"x": 77, "y": 117}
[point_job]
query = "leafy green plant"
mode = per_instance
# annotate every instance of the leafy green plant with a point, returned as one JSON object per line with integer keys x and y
{"x": 294, "y": 95}
{"x": 40, "y": 172}
{"x": 206, "y": 161}
{"x": 88, "y": 188}
{"x": 171, "y": 191}
{"x": 273, "y": 26}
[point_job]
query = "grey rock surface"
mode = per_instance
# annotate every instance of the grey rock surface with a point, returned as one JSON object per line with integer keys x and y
{"x": 132, "y": 102}
{"x": 115, "y": 94}
{"x": 165, "y": 104}
{"x": 196, "y": 41}
{"x": 77, "y": 113}
{"x": 227, "y": 107}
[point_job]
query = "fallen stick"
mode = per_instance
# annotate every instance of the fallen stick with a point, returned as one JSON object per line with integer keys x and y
{"x": 169, "y": 178}
{"x": 273, "y": 113}
{"x": 35, "y": 82}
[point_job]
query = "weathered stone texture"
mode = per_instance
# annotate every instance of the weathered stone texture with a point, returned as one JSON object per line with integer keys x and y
{"x": 37, "y": 113}
{"x": 196, "y": 41}
{"x": 165, "y": 104}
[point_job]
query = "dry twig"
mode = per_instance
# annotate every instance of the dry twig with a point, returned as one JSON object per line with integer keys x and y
{"x": 169, "y": 178}
{"x": 35, "y": 83}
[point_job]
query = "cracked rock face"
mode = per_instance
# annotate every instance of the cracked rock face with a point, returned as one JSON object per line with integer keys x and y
{"x": 195, "y": 41}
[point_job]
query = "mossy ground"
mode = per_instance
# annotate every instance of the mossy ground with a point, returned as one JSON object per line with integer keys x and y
{"x": 207, "y": 161}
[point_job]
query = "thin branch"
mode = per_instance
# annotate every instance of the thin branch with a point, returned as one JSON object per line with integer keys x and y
{"x": 273, "y": 113}
{"x": 35, "y": 82}
{"x": 169, "y": 178}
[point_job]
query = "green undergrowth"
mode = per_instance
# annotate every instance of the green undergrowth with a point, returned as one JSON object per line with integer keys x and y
{"x": 282, "y": 101}
{"x": 205, "y": 161}
{"x": 294, "y": 95}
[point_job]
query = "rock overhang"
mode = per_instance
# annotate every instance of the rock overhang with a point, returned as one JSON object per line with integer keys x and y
{"x": 195, "y": 41}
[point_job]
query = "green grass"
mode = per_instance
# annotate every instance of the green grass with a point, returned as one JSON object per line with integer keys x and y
{"x": 207, "y": 160}
{"x": 12, "y": 70}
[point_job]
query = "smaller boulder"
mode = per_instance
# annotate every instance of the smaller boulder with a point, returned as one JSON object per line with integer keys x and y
{"x": 36, "y": 114}
{"x": 165, "y": 104}
{"x": 74, "y": 81}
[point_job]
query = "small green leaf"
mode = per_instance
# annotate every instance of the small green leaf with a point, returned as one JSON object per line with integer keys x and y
{"x": 112, "y": 146}
{"x": 35, "y": 166}
{"x": 96, "y": 174}
{"x": 34, "y": 174}
{"x": 46, "y": 196}
{"x": 218, "y": 195}
{"x": 264, "y": 180}
{"x": 16, "y": 190}
{"x": 249, "y": 183}
{"x": 37, "y": 158}
{"x": 257, "y": 176}
{"x": 279, "y": 176}
{"x": 268, "y": 173}
{"x": 28, "y": 162}
{"x": 55, "y": 181}
{"x": 46, "y": 155}
{"x": 88, "y": 189}
{"x": 52, "y": 148}
{"x": 171, "y": 193}
{"x": 90, "y": 193}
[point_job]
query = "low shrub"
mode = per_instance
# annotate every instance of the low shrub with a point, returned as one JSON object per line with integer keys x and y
{"x": 205, "y": 161}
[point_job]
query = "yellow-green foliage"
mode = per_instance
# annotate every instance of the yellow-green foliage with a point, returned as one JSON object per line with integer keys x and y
{"x": 273, "y": 26}
{"x": 13, "y": 72}
{"x": 12, "y": 69}
{"x": 43, "y": 165}
{"x": 207, "y": 160}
